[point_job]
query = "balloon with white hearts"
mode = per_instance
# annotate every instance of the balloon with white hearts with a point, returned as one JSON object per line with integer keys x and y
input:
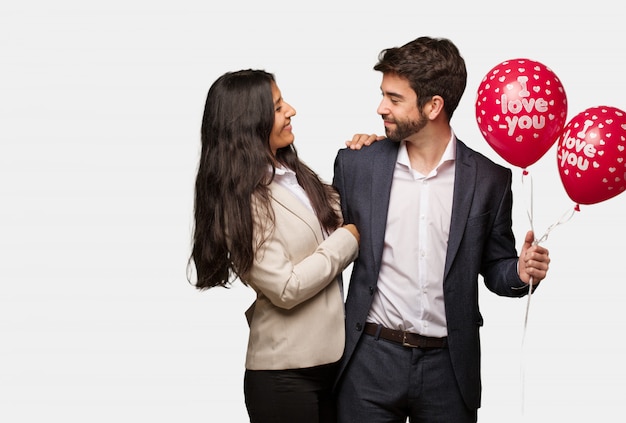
{"x": 521, "y": 108}
{"x": 591, "y": 155}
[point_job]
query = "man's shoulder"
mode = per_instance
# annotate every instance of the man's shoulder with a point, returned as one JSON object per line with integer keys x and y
{"x": 376, "y": 148}
{"x": 463, "y": 151}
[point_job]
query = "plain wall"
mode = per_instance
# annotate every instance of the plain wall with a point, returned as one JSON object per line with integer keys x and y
{"x": 100, "y": 109}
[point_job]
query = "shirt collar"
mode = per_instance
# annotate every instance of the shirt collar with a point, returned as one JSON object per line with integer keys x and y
{"x": 281, "y": 170}
{"x": 449, "y": 153}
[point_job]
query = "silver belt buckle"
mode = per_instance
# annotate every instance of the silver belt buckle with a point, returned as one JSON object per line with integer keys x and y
{"x": 405, "y": 343}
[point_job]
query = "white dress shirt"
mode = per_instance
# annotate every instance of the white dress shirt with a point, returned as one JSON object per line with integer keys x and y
{"x": 410, "y": 282}
{"x": 286, "y": 178}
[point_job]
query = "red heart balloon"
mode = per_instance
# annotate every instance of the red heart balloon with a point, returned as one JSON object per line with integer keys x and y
{"x": 521, "y": 109}
{"x": 591, "y": 155}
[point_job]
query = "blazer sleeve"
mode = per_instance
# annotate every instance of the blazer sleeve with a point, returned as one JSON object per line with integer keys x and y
{"x": 292, "y": 266}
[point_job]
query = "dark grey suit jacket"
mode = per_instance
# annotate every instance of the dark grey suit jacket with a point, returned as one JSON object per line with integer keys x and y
{"x": 481, "y": 242}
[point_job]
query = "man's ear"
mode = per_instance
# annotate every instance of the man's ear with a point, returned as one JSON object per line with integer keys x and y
{"x": 434, "y": 107}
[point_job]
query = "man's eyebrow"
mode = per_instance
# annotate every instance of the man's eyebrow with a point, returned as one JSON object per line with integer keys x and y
{"x": 392, "y": 94}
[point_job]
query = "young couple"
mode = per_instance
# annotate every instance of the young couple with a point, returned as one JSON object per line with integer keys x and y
{"x": 419, "y": 213}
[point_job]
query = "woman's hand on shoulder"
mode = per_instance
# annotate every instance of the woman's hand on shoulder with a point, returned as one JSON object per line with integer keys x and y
{"x": 359, "y": 140}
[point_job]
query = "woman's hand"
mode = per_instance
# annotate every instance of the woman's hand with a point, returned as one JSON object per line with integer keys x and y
{"x": 354, "y": 231}
{"x": 359, "y": 140}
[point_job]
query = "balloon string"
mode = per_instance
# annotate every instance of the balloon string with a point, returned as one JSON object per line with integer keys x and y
{"x": 564, "y": 219}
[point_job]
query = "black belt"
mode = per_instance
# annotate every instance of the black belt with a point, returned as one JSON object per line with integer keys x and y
{"x": 406, "y": 339}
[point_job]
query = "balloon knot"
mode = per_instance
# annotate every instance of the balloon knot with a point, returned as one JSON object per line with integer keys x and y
{"x": 524, "y": 172}
{"x": 577, "y": 208}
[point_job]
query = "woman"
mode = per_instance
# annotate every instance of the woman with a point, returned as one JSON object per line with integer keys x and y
{"x": 264, "y": 217}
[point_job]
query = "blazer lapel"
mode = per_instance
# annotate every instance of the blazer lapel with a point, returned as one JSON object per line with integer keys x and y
{"x": 293, "y": 205}
{"x": 464, "y": 186}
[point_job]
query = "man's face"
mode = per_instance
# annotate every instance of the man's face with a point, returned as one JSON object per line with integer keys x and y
{"x": 398, "y": 108}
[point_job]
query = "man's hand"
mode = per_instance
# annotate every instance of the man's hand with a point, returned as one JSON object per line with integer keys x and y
{"x": 534, "y": 261}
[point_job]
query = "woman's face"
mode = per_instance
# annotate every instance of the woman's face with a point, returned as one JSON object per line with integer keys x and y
{"x": 281, "y": 135}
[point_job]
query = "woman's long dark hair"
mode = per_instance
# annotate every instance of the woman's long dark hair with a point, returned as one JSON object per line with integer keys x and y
{"x": 233, "y": 169}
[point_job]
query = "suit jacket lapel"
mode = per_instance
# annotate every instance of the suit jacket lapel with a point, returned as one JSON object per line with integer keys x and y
{"x": 381, "y": 176}
{"x": 464, "y": 186}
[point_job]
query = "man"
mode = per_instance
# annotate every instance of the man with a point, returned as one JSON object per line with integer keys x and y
{"x": 433, "y": 216}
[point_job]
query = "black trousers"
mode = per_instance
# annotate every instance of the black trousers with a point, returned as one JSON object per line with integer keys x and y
{"x": 291, "y": 396}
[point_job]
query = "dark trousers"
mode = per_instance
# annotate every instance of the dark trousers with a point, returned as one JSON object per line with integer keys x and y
{"x": 386, "y": 382}
{"x": 291, "y": 396}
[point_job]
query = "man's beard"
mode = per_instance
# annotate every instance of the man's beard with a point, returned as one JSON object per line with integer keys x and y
{"x": 404, "y": 129}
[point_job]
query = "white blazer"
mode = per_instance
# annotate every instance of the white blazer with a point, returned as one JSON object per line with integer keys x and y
{"x": 297, "y": 319}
